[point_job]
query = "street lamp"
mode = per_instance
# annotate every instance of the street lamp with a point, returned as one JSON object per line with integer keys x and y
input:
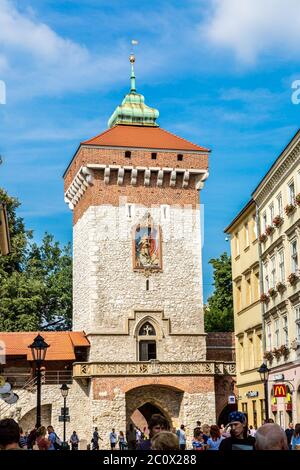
{"x": 64, "y": 389}
{"x": 264, "y": 376}
{"x": 38, "y": 350}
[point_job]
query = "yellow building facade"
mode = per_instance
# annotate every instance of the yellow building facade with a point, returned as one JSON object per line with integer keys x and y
{"x": 278, "y": 200}
{"x": 265, "y": 251}
{"x": 247, "y": 313}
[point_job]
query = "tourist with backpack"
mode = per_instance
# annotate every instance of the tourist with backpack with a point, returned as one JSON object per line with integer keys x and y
{"x": 56, "y": 443}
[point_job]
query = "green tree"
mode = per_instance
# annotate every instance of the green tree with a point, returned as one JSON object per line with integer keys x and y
{"x": 35, "y": 280}
{"x": 218, "y": 314}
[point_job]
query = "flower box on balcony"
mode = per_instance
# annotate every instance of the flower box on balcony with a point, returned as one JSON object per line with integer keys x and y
{"x": 264, "y": 298}
{"x": 295, "y": 344}
{"x": 268, "y": 355}
{"x": 272, "y": 292}
{"x": 293, "y": 278}
{"x": 280, "y": 286}
{"x": 284, "y": 350}
{"x": 263, "y": 238}
{"x": 276, "y": 352}
{"x": 297, "y": 199}
{"x": 277, "y": 221}
{"x": 289, "y": 209}
{"x": 269, "y": 229}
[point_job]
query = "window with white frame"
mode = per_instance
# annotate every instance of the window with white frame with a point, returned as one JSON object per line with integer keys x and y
{"x": 285, "y": 329}
{"x": 246, "y": 228}
{"x": 248, "y": 291}
{"x": 279, "y": 204}
{"x": 271, "y": 209}
{"x": 254, "y": 226}
{"x": 264, "y": 221}
{"x": 291, "y": 192}
{"x": 273, "y": 272}
{"x": 269, "y": 337}
{"x": 294, "y": 257}
{"x": 237, "y": 244}
{"x": 241, "y": 354}
{"x": 297, "y": 319}
{"x": 281, "y": 266}
{"x": 266, "y": 278}
{"x": 276, "y": 333}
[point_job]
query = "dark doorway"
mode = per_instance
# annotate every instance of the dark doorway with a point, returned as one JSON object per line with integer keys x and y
{"x": 223, "y": 417}
{"x": 147, "y": 350}
{"x": 148, "y": 410}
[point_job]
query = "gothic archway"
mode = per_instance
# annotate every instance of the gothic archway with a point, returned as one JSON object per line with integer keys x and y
{"x": 142, "y": 402}
{"x": 223, "y": 416}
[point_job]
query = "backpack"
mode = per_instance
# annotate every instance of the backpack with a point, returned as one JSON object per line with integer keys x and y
{"x": 57, "y": 443}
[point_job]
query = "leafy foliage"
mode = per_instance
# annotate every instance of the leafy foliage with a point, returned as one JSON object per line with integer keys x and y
{"x": 219, "y": 309}
{"x": 35, "y": 281}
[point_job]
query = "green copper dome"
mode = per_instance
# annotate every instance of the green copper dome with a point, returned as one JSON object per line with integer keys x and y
{"x": 133, "y": 110}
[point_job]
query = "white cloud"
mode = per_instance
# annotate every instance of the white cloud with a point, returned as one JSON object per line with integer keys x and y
{"x": 253, "y": 28}
{"x": 36, "y": 60}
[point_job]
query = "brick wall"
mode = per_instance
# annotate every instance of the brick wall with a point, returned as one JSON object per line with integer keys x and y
{"x": 220, "y": 346}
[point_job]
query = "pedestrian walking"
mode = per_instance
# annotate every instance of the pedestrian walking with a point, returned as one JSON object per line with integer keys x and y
{"x": 182, "y": 437}
{"x": 197, "y": 428}
{"x": 157, "y": 423}
{"x": 121, "y": 441}
{"x": 113, "y": 438}
{"x": 131, "y": 437}
{"x": 215, "y": 439}
{"x": 295, "y": 442}
{"x": 9, "y": 435}
{"x": 74, "y": 441}
{"x": 271, "y": 436}
{"x": 42, "y": 442}
{"x": 289, "y": 432}
{"x": 239, "y": 438}
{"x": 165, "y": 440}
{"x": 95, "y": 439}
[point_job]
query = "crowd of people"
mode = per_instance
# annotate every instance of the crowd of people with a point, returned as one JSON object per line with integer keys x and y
{"x": 236, "y": 435}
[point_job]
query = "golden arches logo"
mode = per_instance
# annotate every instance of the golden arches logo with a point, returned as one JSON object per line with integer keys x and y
{"x": 279, "y": 390}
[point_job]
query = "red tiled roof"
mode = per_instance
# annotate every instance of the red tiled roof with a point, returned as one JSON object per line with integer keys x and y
{"x": 143, "y": 137}
{"x": 62, "y": 344}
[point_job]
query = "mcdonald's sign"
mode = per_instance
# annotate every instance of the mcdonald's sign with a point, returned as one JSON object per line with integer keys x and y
{"x": 279, "y": 390}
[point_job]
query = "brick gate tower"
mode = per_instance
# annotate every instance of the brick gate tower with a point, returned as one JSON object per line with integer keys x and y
{"x": 134, "y": 191}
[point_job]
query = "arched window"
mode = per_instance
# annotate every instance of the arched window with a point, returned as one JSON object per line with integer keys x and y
{"x": 147, "y": 342}
{"x": 147, "y": 330}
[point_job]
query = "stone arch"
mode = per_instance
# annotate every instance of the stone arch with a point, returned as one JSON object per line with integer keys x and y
{"x": 28, "y": 420}
{"x": 166, "y": 399}
{"x": 156, "y": 325}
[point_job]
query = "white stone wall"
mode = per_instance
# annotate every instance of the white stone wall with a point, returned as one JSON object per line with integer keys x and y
{"x": 78, "y": 401}
{"x": 107, "y": 291}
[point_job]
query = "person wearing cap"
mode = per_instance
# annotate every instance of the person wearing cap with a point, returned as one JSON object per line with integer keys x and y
{"x": 239, "y": 438}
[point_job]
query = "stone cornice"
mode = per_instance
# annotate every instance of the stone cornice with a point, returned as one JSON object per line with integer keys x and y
{"x": 281, "y": 170}
{"x": 84, "y": 178}
{"x": 85, "y": 370}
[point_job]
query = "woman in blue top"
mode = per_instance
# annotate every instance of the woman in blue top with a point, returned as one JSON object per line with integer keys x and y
{"x": 296, "y": 438}
{"x": 215, "y": 438}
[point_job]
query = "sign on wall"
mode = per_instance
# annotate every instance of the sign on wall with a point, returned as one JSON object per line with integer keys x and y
{"x": 279, "y": 390}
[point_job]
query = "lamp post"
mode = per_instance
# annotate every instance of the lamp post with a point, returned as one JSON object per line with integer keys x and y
{"x": 64, "y": 389}
{"x": 38, "y": 350}
{"x": 264, "y": 376}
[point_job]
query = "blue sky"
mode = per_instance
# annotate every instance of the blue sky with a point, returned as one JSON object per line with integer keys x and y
{"x": 220, "y": 73}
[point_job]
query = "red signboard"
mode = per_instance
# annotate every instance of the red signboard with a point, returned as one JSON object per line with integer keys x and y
{"x": 279, "y": 390}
